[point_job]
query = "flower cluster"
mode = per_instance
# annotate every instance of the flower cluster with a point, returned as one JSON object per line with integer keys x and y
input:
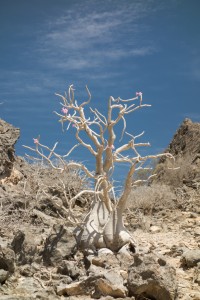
{"x": 139, "y": 94}
{"x": 35, "y": 141}
{"x": 64, "y": 110}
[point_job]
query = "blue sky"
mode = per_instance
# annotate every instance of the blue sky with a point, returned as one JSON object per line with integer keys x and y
{"x": 115, "y": 47}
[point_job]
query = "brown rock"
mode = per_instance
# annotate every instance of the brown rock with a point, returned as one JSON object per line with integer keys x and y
{"x": 7, "y": 259}
{"x": 8, "y": 137}
{"x": 106, "y": 288}
{"x": 148, "y": 278}
{"x": 83, "y": 287}
{"x": 190, "y": 258}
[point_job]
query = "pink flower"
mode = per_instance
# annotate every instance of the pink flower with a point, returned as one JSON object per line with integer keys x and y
{"x": 139, "y": 94}
{"x": 64, "y": 110}
{"x": 35, "y": 141}
{"x": 111, "y": 147}
{"x": 73, "y": 125}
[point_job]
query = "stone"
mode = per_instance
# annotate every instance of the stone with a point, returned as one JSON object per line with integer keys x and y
{"x": 105, "y": 251}
{"x": 125, "y": 251}
{"x": 3, "y": 275}
{"x": 24, "y": 244}
{"x": 71, "y": 289}
{"x": 125, "y": 259}
{"x": 104, "y": 260}
{"x": 114, "y": 277}
{"x": 59, "y": 245}
{"x": 190, "y": 258}
{"x": 96, "y": 271}
{"x": 106, "y": 288}
{"x": 83, "y": 287}
{"x": 149, "y": 277}
{"x": 69, "y": 268}
{"x": 197, "y": 231}
{"x": 155, "y": 229}
{"x": 7, "y": 259}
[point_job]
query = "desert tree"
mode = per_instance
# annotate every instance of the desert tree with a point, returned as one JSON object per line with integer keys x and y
{"x": 102, "y": 226}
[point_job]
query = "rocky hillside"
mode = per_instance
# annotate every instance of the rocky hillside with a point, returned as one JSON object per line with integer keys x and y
{"x": 185, "y": 146}
{"x": 38, "y": 254}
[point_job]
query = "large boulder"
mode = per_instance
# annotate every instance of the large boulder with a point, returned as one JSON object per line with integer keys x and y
{"x": 151, "y": 278}
{"x": 8, "y": 137}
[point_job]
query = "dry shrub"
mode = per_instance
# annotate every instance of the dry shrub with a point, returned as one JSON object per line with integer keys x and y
{"x": 40, "y": 187}
{"x": 151, "y": 198}
{"x": 186, "y": 172}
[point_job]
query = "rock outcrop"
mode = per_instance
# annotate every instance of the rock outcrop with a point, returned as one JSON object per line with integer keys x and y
{"x": 8, "y": 137}
{"x": 185, "y": 147}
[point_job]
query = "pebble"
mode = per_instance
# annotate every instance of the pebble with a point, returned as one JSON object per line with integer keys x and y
{"x": 155, "y": 229}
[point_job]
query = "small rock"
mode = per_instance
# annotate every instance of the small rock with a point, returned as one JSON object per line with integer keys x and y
{"x": 190, "y": 258}
{"x": 104, "y": 260}
{"x": 95, "y": 271}
{"x": 7, "y": 259}
{"x": 125, "y": 251}
{"x": 114, "y": 277}
{"x": 105, "y": 251}
{"x": 195, "y": 295}
{"x": 3, "y": 275}
{"x": 24, "y": 244}
{"x": 197, "y": 231}
{"x": 69, "y": 268}
{"x": 83, "y": 287}
{"x": 155, "y": 229}
{"x": 106, "y": 288}
{"x": 71, "y": 289}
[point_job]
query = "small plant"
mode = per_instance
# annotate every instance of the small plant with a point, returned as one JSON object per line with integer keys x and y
{"x": 103, "y": 224}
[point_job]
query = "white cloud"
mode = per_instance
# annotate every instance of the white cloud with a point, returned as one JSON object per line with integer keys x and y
{"x": 88, "y": 37}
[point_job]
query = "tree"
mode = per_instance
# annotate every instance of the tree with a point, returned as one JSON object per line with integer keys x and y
{"x": 103, "y": 225}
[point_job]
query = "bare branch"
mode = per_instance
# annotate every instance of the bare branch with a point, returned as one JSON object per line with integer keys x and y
{"x": 88, "y": 146}
{"x": 135, "y": 183}
{"x": 88, "y": 101}
{"x": 72, "y": 201}
{"x": 122, "y": 100}
{"x": 124, "y": 128}
{"x": 82, "y": 167}
{"x": 70, "y": 151}
{"x": 99, "y": 116}
{"x": 71, "y": 94}
{"x": 136, "y": 108}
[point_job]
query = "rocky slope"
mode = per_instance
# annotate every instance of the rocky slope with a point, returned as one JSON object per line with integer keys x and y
{"x": 185, "y": 146}
{"x": 38, "y": 255}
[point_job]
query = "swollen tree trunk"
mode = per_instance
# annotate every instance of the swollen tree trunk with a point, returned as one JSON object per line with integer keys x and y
{"x": 104, "y": 228}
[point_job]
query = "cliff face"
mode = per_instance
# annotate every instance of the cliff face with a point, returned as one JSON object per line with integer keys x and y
{"x": 8, "y": 137}
{"x": 186, "y": 141}
{"x": 185, "y": 146}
